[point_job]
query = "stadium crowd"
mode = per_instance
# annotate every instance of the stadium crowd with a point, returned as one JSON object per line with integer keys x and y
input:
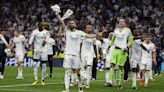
{"x": 141, "y": 16}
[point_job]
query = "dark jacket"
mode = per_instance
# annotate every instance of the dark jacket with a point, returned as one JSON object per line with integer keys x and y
{"x": 2, "y": 47}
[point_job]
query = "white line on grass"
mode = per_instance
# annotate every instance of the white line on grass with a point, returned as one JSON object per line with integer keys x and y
{"x": 22, "y": 85}
{"x": 18, "y": 90}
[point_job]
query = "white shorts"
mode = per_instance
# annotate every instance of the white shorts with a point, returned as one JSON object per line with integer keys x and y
{"x": 133, "y": 63}
{"x": 72, "y": 61}
{"x": 19, "y": 58}
{"x": 145, "y": 65}
{"x": 87, "y": 60}
{"x": 109, "y": 56}
{"x": 43, "y": 56}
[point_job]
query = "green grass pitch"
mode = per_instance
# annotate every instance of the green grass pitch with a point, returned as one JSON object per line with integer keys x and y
{"x": 55, "y": 84}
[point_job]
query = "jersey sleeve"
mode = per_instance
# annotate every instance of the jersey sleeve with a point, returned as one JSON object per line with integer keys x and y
{"x": 32, "y": 37}
{"x": 53, "y": 41}
{"x": 130, "y": 39}
{"x": 47, "y": 36}
{"x": 23, "y": 38}
{"x": 82, "y": 34}
{"x": 138, "y": 42}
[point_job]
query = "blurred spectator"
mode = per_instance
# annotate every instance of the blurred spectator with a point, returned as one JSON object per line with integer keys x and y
{"x": 141, "y": 15}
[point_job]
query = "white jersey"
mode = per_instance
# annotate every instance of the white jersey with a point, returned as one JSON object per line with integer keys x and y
{"x": 38, "y": 38}
{"x": 147, "y": 55}
{"x": 73, "y": 40}
{"x": 98, "y": 46}
{"x": 135, "y": 50}
{"x": 121, "y": 37}
{"x": 105, "y": 45}
{"x": 87, "y": 47}
{"x": 49, "y": 46}
{"x": 19, "y": 43}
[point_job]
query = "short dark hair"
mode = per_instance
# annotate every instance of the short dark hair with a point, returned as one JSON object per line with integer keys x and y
{"x": 40, "y": 24}
{"x": 71, "y": 18}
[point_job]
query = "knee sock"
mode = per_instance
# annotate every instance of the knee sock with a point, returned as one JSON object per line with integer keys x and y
{"x": 67, "y": 78}
{"x": 111, "y": 75}
{"x": 89, "y": 74}
{"x": 107, "y": 76}
{"x": 44, "y": 68}
{"x": 134, "y": 80}
{"x": 35, "y": 65}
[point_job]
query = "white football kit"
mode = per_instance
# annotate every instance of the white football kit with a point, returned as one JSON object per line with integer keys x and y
{"x": 121, "y": 37}
{"x": 109, "y": 55}
{"x": 19, "y": 48}
{"x": 135, "y": 53}
{"x": 146, "y": 58}
{"x": 72, "y": 49}
{"x": 49, "y": 46}
{"x": 105, "y": 45}
{"x": 38, "y": 39}
{"x": 87, "y": 52}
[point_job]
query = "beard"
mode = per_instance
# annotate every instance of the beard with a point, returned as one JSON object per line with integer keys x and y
{"x": 72, "y": 27}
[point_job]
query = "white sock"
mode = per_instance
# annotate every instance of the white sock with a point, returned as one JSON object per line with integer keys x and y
{"x": 79, "y": 82}
{"x": 107, "y": 76}
{"x": 19, "y": 71}
{"x": 134, "y": 79}
{"x": 89, "y": 73}
{"x": 73, "y": 77}
{"x": 147, "y": 77}
{"x": 67, "y": 78}
{"x": 44, "y": 68}
{"x": 151, "y": 74}
{"x": 35, "y": 65}
{"x": 83, "y": 74}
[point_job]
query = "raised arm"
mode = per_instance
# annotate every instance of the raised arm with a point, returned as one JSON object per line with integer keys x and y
{"x": 31, "y": 38}
{"x": 61, "y": 22}
{"x": 4, "y": 40}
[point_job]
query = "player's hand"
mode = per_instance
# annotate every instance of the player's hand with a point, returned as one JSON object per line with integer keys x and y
{"x": 7, "y": 46}
{"x": 27, "y": 46}
{"x": 125, "y": 50}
